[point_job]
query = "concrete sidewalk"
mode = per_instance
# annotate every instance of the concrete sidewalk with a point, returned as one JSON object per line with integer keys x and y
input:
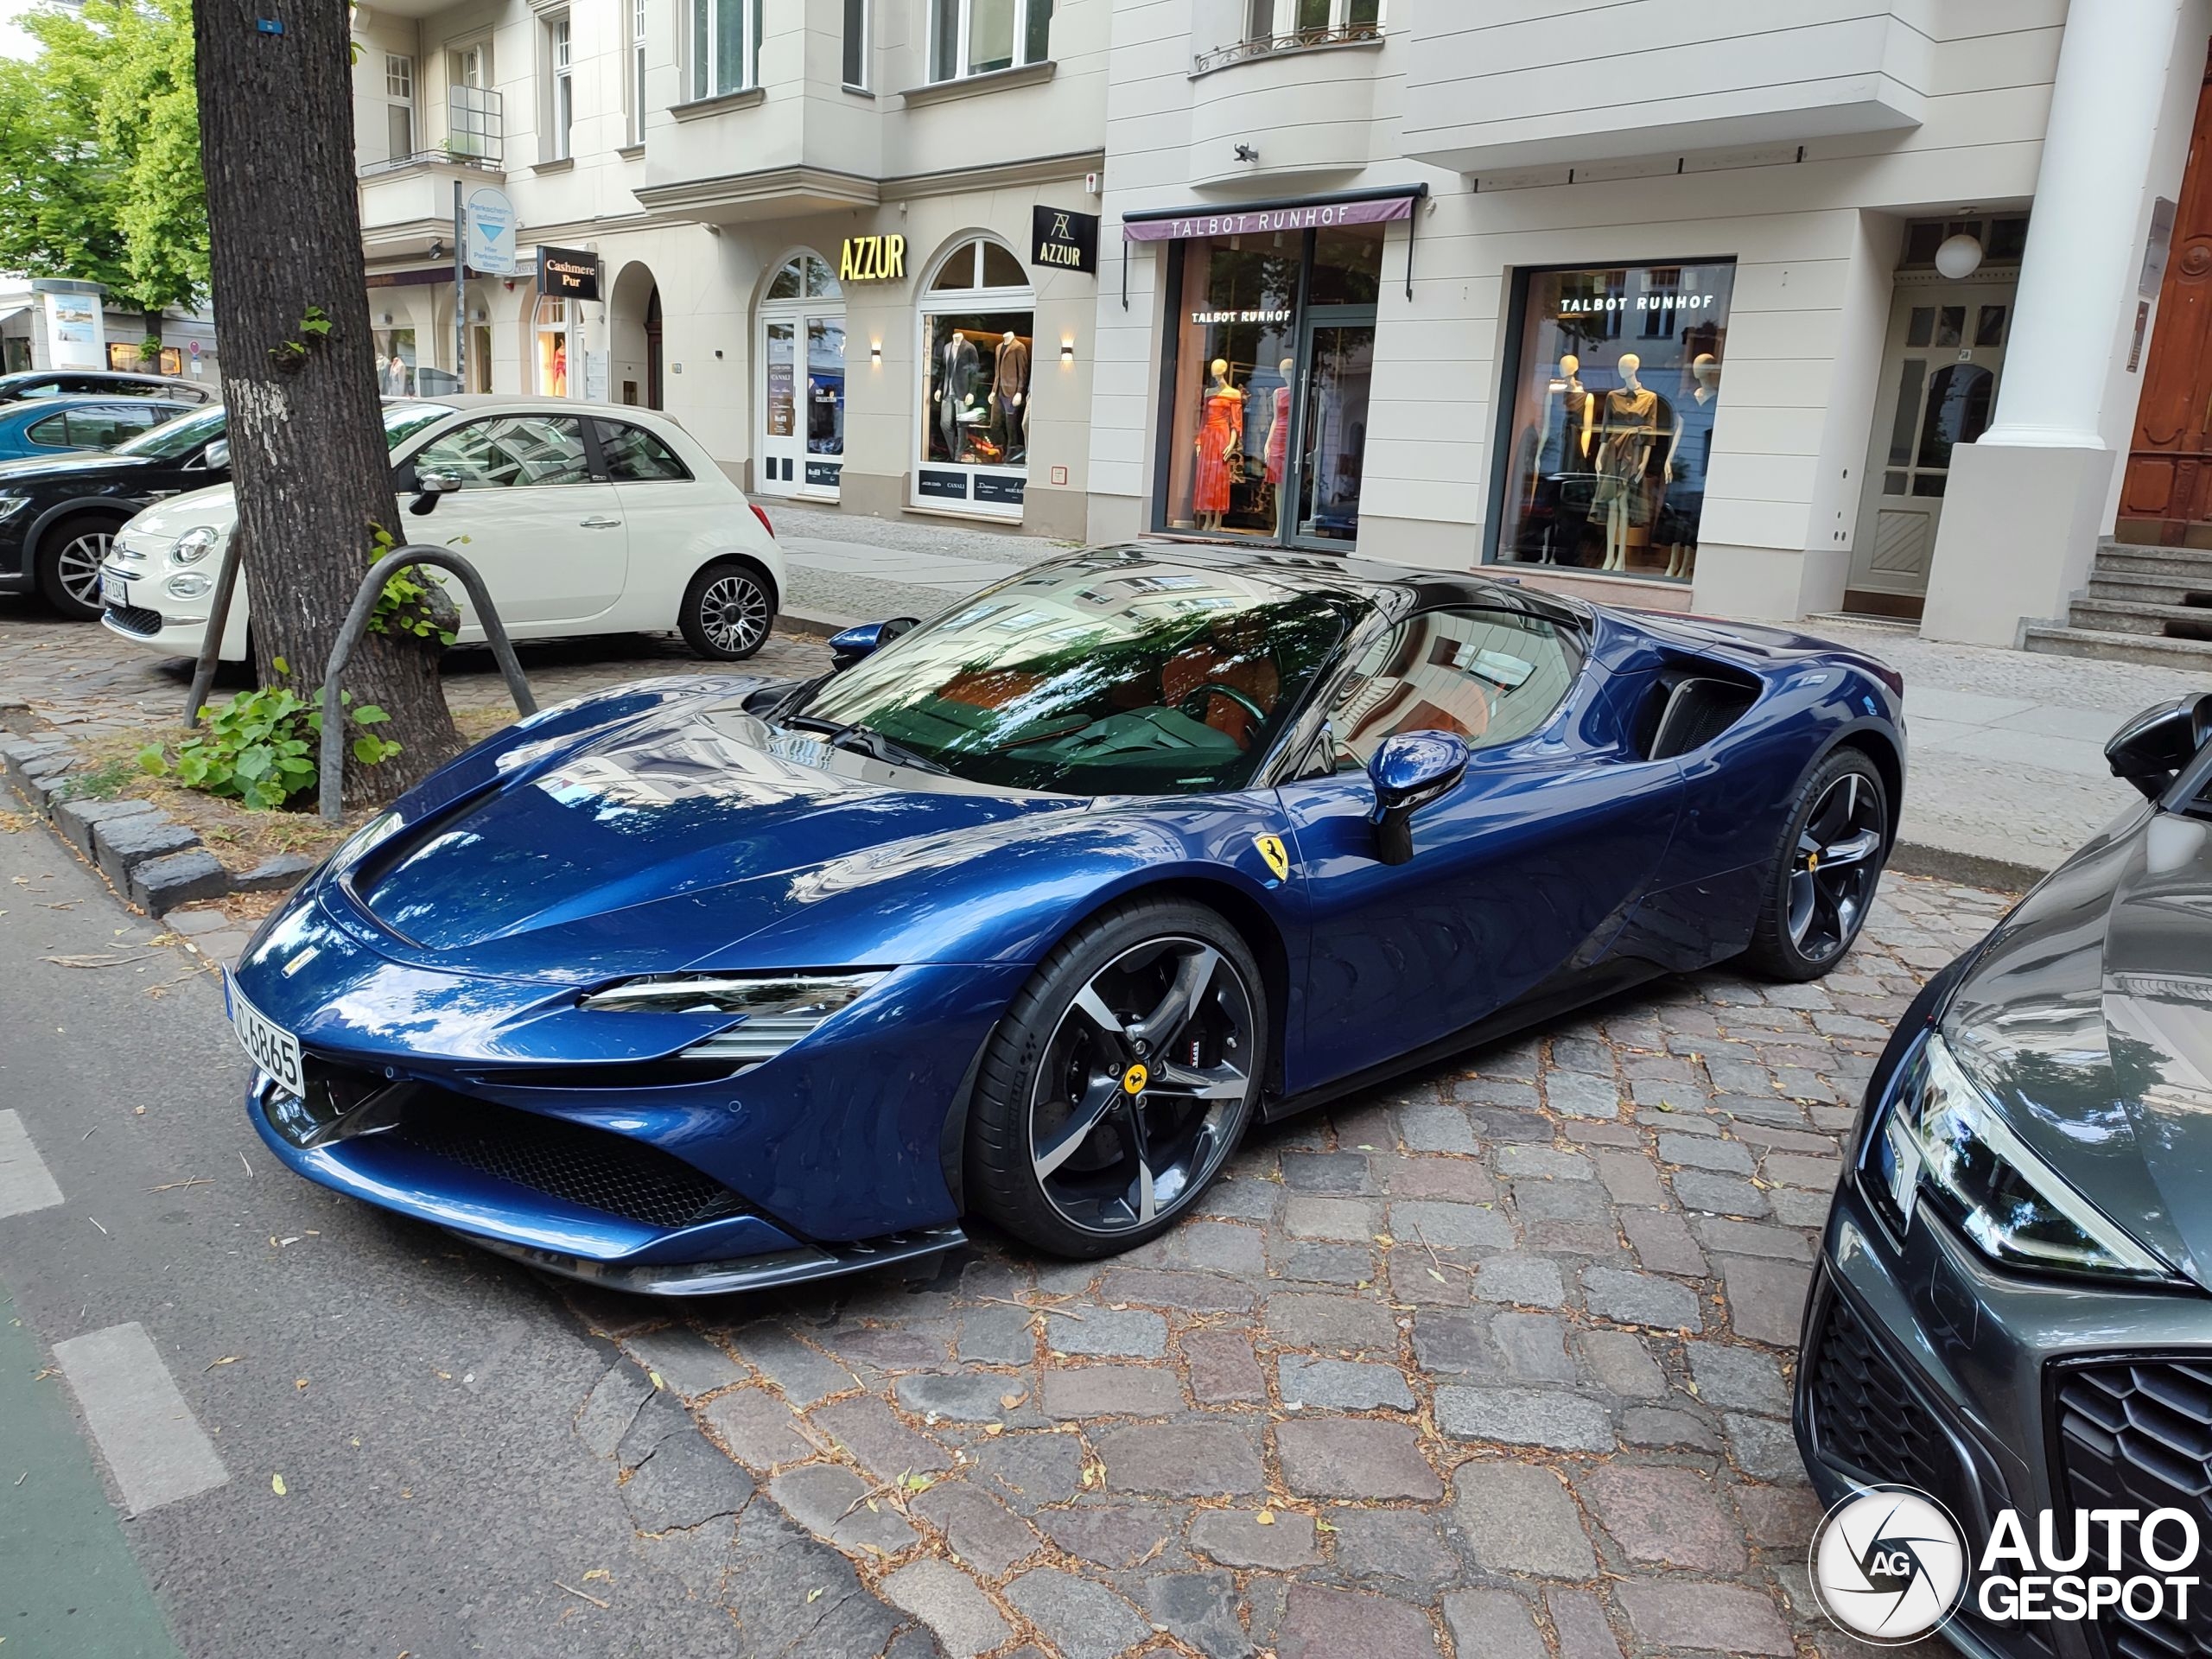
{"x": 2006, "y": 774}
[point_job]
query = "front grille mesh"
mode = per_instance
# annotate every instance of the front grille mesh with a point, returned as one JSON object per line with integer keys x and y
{"x": 595, "y": 1168}
{"x": 136, "y": 618}
{"x": 2137, "y": 1435}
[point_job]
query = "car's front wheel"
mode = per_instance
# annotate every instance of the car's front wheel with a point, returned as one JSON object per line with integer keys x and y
{"x": 1120, "y": 1081}
{"x": 1821, "y": 882}
{"x": 69, "y": 565}
{"x": 728, "y": 611}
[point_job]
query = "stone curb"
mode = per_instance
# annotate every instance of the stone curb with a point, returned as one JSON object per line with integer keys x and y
{"x": 153, "y": 862}
{"x": 1965, "y": 869}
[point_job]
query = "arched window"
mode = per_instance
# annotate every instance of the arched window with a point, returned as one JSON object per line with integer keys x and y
{"x": 804, "y": 276}
{"x": 977, "y": 336}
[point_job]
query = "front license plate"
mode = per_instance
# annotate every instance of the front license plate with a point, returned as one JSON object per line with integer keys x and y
{"x": 115, "y": 590}
{"x": 267, "y": 1043}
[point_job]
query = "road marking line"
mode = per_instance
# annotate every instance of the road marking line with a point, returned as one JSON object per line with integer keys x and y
{"x": 25, "y": 1182}
{"x": 153, "y": 1444}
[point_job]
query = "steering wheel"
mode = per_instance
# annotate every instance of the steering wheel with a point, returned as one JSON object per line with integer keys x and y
{"x": 1215, "y": 687}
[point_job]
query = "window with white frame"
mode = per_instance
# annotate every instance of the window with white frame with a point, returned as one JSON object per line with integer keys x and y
{"x": 399, "y": 105}
{"x": 725, "y": 46}
{"x": 974, "y": 37}
{"x": 637, "y": 72}
{"x": 561, "y": 111}
{"x": 856, "y": 44}
{"x": 1269, "y": 20}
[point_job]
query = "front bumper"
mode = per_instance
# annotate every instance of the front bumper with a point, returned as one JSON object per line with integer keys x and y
{"x": 1924, "y": 1367}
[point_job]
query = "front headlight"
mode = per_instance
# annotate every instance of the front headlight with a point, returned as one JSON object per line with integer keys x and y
{"x": 12, "y": 504}
{"x": 196, "y": 544}
{"x": 1938, "y": 1139}
{"x": 779, "y": 1008}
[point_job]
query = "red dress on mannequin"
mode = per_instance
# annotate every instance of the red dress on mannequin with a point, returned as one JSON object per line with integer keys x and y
{"x": 1279, "y": 436}
{"x": 1225, "y": 420}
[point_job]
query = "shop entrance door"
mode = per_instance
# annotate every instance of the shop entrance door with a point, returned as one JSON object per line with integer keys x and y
{"x": 1938, "y": 390}
{"x": 1335, "y": 359}
{"x": 803, "y": 402}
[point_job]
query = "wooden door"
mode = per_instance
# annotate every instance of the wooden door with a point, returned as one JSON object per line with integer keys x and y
{"x": 2167, "y": 497}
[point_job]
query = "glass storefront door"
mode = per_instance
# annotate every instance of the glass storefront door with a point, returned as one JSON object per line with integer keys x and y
{"x": 1270, "y": 360}
{"x": 802, "y": 385}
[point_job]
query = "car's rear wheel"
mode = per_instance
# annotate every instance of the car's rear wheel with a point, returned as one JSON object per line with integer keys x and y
{"x": 1120, "y": 1081}
{"x": 69, "y": 565}
{"x": 728, "y": 611}
{"x": 1825, "y": 871}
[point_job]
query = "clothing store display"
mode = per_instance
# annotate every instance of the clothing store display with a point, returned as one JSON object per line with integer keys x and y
{"x": 1009, "y": 402}
{"x": 1628, "y": 427}
{"x": 1279, "y": 436}
{"x": 959, "y": 365}
{"x": 1224, "y": 425}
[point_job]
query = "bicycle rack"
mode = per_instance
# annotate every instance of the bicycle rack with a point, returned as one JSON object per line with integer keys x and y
{"x": 332, "y": 761}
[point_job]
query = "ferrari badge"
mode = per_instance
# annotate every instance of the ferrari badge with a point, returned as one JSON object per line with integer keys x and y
{"x": 1134, "y": 1080}
{"x": 1271, "y": 848}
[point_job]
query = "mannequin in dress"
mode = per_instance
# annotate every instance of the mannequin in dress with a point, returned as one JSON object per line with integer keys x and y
{"x": 1220, "y": 443}
{"x": 1625, "y": 432}
{"x": 1010, "y": 395}
{"x": 1692, "y": 455}
{"x": 1279, "y": 443}
{"x": 1565, "y": 449}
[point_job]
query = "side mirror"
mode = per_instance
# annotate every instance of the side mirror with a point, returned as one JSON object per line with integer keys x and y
{"x": 216, "y": 455}
{"x": 853, "y": 644}
{"x": 2158, "y": 742}
{"x": 1408, "y": 771}
{"x": 429, "y": 486}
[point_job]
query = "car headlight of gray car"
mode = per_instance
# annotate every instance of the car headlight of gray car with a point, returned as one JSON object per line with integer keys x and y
{"x": 1939, "y": 1140}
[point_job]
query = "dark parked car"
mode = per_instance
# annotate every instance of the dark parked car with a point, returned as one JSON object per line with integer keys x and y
{"x": 58, "y": 513}
{"x": 2010, "y": 1312}
{"x": 98, "y": 382}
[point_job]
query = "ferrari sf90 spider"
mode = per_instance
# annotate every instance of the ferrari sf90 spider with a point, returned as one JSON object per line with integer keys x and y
{"x": 1032, "y": 909}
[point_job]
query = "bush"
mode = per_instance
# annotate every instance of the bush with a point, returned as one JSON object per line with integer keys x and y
{"x": 261, "y": 747}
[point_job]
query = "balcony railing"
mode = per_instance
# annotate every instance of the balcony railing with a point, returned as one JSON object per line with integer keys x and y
{"x": 1297, "y": 40}
{"x": 475, "y": 136}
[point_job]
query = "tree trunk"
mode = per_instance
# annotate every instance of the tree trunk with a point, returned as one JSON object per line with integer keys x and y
{"x": 307, "y": 455}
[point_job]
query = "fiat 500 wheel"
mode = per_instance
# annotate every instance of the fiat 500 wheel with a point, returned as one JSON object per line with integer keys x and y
{"x": 1120, "y": 1081}
{"x": 728, "y": 611}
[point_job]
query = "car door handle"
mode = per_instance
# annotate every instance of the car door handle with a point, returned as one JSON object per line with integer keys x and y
{"x": 599, "y": 523}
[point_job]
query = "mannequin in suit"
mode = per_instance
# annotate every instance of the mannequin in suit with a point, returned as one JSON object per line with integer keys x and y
{"x": 1220, "y": 445}
{"x": 957, "y": 369}
{"x": 1010, "y": 395}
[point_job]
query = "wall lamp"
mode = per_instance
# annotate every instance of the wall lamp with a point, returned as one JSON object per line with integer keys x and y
{"x": 875, "y": 352}
{"x": 1067, "y": 354}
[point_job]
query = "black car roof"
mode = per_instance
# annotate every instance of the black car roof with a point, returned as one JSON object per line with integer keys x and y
{"x": 1373, "y": 579}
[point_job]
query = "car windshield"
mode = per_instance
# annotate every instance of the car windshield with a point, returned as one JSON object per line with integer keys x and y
{"x": 402, "y": 421}
{"x": 178, "y": 437}
{"x": 1112, "y": 673}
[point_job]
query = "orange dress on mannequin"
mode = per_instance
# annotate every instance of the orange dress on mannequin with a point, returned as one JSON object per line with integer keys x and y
{"x": 1225, "y": 421}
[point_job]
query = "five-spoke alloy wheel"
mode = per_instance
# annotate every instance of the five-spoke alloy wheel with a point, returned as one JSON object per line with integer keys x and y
{"x": 1121, "y": 1080}
{"x": 1823, "y": 880}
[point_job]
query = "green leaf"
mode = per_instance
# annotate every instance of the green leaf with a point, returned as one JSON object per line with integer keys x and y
{"x": 369, "y": 714}
{"x": 152, "y": 760}
{"x": 368, "y": 751}
{"x": 280, "y": 664}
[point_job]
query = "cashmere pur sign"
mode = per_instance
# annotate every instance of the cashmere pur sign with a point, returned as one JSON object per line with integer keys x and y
{"x": 873, "y": 259}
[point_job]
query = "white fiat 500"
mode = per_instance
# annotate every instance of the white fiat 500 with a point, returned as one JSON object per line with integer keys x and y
{"x": 582, "y": 518}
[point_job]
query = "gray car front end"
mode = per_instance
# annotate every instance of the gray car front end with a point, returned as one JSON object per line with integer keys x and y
{"x": 2011, "y": 1309}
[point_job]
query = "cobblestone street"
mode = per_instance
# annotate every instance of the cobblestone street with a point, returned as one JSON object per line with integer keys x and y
{"x": 1494, "y": 1363}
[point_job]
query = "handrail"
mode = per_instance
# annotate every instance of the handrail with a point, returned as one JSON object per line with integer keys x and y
{"x": 331, "y": 783}
{"x": 1298, "y": 39}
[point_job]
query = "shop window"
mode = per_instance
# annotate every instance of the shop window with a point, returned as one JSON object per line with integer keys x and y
{"x": 977, "y": 342}
{"x": 974, "y": 37}
{"x": 1271, "y": 367}
{"x": 725, "y": 46}
{"x": 552, "y": 331}
{"x": 1608, "y": 437}
{"x": 394, "y": 360}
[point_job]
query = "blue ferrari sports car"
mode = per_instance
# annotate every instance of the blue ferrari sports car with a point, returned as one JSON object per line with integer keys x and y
{"x": 1029, "y": 912}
